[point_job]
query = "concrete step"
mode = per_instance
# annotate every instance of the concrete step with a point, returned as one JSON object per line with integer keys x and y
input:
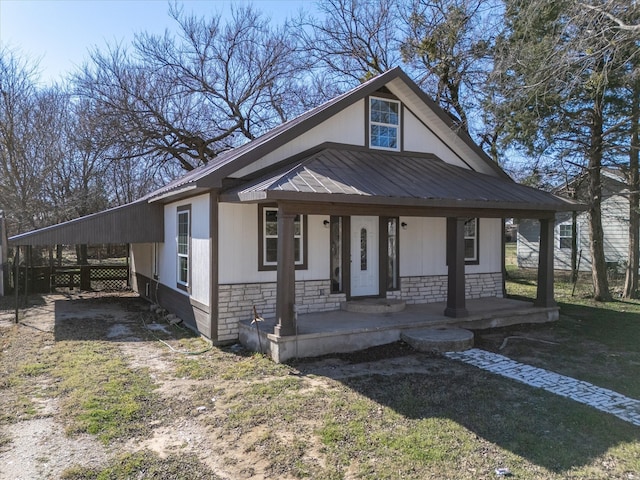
{"x": 439, "y": 339}
{"x": 374, "y": 305}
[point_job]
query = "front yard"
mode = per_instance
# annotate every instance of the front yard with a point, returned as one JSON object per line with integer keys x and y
{"x": 99, "y": 387}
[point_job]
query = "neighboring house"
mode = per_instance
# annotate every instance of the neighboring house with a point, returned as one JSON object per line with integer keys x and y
{"x": 615, "y": 224}
{"x": 375, "y": 193}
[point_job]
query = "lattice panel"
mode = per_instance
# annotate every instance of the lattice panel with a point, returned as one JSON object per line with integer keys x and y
{"x": 109, "y": 278}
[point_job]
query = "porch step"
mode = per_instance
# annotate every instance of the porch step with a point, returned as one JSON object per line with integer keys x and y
{"x": 439, "y": 339}
{"x": 374, "y": 305}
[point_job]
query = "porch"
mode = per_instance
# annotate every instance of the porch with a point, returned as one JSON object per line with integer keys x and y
{"x": 343, "y": 331}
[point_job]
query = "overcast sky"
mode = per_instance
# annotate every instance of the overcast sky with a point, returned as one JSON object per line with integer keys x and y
{"x": 59, "y": 33}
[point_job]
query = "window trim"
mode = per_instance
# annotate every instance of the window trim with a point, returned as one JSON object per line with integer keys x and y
{"x": 397, "y": 126}
{"x": 476, "y": 259}
{"x": 262, "y": 264}
{"x": 561, "y": 237}
{"x": 182, "y": 210}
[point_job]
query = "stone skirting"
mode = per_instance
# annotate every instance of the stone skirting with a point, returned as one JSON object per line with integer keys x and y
{"x": 434, "y": 288}
{"x": 236, "y": 302}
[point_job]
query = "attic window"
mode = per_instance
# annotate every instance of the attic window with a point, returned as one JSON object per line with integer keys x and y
{"x": 384, "y": 124}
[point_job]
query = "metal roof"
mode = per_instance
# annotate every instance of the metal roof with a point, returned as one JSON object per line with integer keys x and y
{"x": 137, "y": 222}
{"x": 224, "y": 165}
{"x": 349, "y": 174}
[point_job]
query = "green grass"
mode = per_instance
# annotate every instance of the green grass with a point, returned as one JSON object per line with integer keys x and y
{"x": 102, "y": 395}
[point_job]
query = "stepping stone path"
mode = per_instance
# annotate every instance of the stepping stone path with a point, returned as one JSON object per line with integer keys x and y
{"x": 625, "y": 408}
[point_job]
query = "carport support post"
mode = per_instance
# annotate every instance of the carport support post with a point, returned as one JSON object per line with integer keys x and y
{"x": 16, "y": 280}
{"x": 544, "y": 296}
{"x": 456, "y": 306}
{"x": 286, "y": 286}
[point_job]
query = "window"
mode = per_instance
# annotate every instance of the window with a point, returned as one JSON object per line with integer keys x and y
{"x": 384, "y": 124}
{"x": 269, "y": 242}
{"x": 566, "y": 236}
{"x": 392, "y": 254}
{"x": 471, "y": 240}
{"x": 183, "y": 243}
{"x": 336, "y": 254}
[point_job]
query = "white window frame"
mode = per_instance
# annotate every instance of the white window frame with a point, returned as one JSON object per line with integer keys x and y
{"x": 179, "y": 255}
{"x": 561, "y": 237}
{"x": 473, "y": 237}
{"x": 265, "y": 236}
{"x": 373, "y": 123}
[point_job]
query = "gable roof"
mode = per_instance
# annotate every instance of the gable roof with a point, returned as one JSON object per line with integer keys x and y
{"x": 212, "y": 174}
{"x": 343, "y": 174}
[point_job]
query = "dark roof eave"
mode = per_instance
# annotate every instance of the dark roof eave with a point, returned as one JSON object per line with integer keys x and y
{"x": 563, "y": 205}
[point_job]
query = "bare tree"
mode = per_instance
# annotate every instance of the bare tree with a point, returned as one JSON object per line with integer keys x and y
{"x": 185, "y": 99}
{"x": 352, "y": 40}
{"x": 24, "y": 166}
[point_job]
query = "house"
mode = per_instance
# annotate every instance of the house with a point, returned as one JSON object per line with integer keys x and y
{"x": 374, "y": 194}
{"x": 572, "y": 234}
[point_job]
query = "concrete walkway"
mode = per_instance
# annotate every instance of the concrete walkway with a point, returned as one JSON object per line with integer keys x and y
{"x": 625, "y": 408}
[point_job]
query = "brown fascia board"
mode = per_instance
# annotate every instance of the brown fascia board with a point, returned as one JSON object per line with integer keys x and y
{"x": 347, "y": 199}
{"x": 446, "y": 118}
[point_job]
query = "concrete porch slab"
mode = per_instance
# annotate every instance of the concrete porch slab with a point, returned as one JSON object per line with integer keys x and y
{"x": 341, "y": 331}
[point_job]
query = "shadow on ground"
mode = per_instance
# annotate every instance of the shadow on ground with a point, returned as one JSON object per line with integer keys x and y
{"x": 545, "y": 429}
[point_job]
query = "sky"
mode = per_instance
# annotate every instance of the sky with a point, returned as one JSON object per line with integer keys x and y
{"x": 59, "y": 33}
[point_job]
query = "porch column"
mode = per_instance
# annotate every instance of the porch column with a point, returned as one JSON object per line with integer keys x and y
{"x": 455, "y": 262}
{"x": 286, "y": 287}
{"x": 544, "y": 297}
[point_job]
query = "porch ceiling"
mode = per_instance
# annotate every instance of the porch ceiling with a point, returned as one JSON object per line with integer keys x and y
{"x": 362, "y": 176}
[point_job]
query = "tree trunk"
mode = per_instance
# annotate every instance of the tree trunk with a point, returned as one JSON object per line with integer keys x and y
{"x": 598, "y": 263}
{"x": 631, "y": 278}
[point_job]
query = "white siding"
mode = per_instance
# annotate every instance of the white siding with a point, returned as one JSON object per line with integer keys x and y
{"x": 200, "y": 261}
{"x": 142, "y": 259}
{"x": 347, "y": 127}
{"x": 418, "y": 138}
{"x": 423, "y": 247}
{"x": 616, "y": 235}
{"x": 238, "y": 247}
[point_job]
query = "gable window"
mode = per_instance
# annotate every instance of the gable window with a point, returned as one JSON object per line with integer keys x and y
{"x": 471, "y": 240}
{"x": 384, "y": 124}
{"x": 183, "y": 243}
{"x": 268, "y": 229}
{"x": 566, "y": 236}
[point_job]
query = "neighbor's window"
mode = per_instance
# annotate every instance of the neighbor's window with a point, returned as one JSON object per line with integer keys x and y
{"x": 566, "y": 236}
{"x": 184, "y": 234}
{"x": 269, "y": 240}
{"x": 384, "y": 124}
{"x": 471, "y": 240}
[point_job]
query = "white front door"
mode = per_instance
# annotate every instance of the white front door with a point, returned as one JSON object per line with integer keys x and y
{"x": 364, "y": 256}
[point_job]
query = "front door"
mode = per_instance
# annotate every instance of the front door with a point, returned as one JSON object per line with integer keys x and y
{"x": 364, "y": 256}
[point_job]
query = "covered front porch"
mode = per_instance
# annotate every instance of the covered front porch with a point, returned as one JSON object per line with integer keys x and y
{"x": 340, "y": 331}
